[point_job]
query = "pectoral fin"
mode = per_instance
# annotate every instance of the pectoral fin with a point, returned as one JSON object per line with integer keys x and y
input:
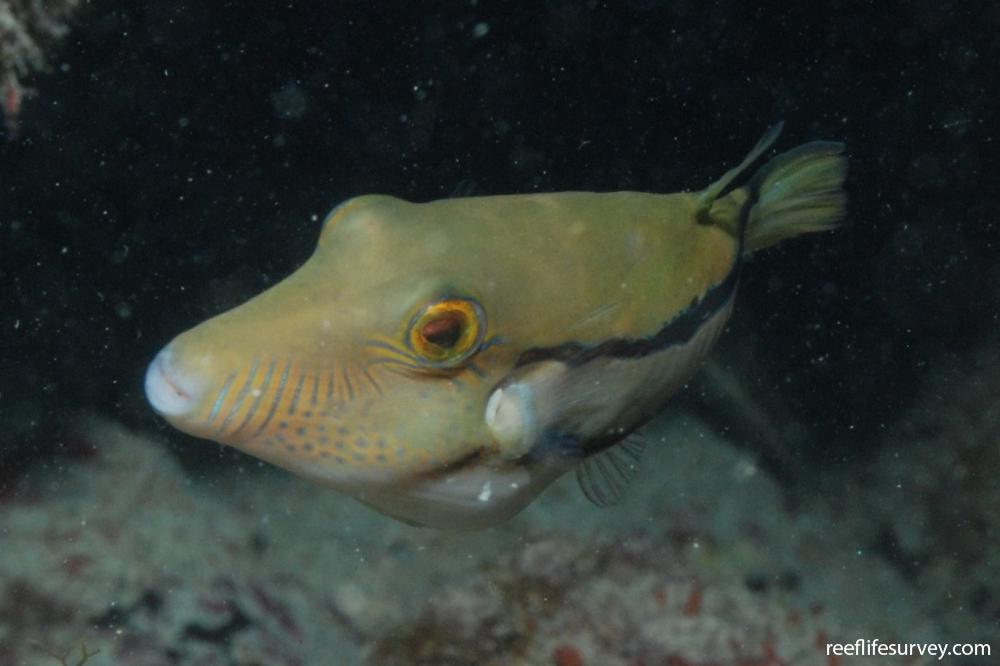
{"x": 605, "y": 477}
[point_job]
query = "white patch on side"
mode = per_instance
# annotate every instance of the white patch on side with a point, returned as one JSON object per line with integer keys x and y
{"x": 492, "y": 406}
{"x": 508, "y": 416}
{"x": 486, "y": 492}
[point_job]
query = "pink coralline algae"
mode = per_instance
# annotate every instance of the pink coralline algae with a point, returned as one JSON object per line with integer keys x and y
{"x": 28, "y": 29}
{"x": 628, "y": 603}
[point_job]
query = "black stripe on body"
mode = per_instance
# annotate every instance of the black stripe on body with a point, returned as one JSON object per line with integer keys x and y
{"x": 676, "y": 331}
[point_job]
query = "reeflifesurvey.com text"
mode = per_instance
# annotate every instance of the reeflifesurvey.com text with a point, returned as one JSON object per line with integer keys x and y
{"x": 873, "y": 647}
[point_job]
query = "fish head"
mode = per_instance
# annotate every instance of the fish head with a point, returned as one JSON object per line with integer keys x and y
{"x": 377, "y": 368}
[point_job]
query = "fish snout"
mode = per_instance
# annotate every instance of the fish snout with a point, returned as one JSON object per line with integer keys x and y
{"x": 170, "y": 389}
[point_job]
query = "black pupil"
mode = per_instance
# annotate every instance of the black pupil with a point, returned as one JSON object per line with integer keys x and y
{"x": 443, "y": 332}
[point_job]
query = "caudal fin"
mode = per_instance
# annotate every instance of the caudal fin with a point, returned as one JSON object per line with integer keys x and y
{"x": 797, "y": 192}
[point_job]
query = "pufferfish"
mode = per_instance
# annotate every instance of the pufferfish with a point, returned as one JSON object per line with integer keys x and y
{"x": 444, "y": 362}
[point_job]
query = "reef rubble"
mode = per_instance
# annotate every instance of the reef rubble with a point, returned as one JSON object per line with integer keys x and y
{"x": 125, "y": 551}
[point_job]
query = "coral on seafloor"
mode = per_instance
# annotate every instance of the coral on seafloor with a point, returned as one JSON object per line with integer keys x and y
{"x": 28, "y": 30}
{"x": 124, "y": 552}
{"x": 118, "y": 553}
{"x": 116, "y": 547}
{"x": 632, "y": 602}
{"x": 933, "y": 497}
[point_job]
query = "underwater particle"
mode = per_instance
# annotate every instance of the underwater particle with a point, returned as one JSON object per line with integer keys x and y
{"x": 291, "y": 102}
{"x": 480, "y": 30}
{"x": 964, "y": 58}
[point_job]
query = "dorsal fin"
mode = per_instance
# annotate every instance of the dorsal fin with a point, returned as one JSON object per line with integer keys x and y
{"x": 604, "y": 476}
{"x": 707, "y": 196}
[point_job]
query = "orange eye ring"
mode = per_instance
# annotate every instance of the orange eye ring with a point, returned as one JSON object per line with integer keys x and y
{"x": 446, "y": 333}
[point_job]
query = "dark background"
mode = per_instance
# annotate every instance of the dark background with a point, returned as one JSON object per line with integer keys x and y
{"x": 177, "y": 159}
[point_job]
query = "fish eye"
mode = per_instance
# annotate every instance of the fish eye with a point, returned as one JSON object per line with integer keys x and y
{"x": 446, "y": 333}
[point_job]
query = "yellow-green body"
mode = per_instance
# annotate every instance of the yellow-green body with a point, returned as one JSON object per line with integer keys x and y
{"x": 317, "y": 375}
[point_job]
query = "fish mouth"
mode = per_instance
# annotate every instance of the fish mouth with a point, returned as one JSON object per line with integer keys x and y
{"x": 169, "y": 390}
